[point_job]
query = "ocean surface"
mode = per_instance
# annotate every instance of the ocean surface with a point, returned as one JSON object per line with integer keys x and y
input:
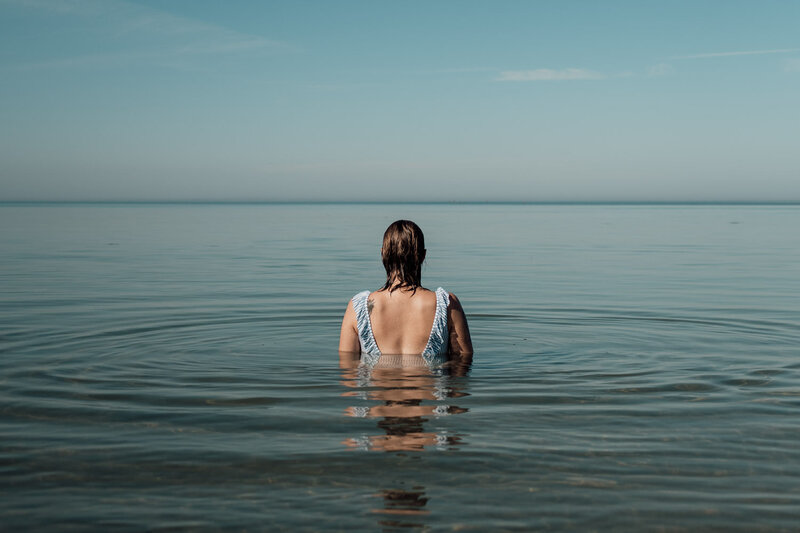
{"x": 174, "y": 367}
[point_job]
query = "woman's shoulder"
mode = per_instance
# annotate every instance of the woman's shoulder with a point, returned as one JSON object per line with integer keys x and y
{"x": 358, "y": 301}
{"x": 359, "y": 297}
{"x": 454, "y": 303}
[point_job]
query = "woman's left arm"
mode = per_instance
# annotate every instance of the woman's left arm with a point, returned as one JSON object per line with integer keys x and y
{"x": 460, "y": 340}
{"x": 349, "y": 345}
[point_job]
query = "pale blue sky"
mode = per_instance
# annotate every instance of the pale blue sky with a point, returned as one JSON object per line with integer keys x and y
{"x": 418, "y": 100}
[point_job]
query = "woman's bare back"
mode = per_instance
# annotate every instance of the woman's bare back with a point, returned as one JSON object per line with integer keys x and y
{"x": 401, "y": 320}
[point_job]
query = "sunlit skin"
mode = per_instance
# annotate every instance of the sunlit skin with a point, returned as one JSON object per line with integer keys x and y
{"x": 401, "y": 323}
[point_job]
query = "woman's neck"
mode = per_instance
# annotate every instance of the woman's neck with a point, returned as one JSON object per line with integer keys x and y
{"x": 395, "y": 284}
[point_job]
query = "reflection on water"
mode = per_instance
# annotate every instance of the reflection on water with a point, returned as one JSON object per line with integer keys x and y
{"x": 407, "y": 397}
{"x": 403, "y": 506}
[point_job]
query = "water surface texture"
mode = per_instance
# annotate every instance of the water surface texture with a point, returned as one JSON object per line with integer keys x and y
{"x": 170, "y": 367}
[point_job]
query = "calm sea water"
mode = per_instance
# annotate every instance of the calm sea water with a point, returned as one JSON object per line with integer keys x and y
{"x": 174, "y": 367}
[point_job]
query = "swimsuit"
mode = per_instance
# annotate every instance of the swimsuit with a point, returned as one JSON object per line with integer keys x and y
{"x": 435, "y": 350}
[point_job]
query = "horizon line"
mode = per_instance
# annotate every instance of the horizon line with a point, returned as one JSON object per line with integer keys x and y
{"x": 402, "y": 202}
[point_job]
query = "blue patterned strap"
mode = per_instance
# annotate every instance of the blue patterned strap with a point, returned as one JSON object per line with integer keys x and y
{"x": 368, "y": 344}
{"x": 437, "y": 342}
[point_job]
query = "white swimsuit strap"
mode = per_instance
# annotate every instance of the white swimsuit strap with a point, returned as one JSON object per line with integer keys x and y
{"x": 437, "y": 341}
{"x": 365, "y": 336}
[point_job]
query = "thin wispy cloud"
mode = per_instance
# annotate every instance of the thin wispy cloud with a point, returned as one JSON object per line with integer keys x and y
{"x": 546, "y": 74}
{"x": 141, "y": 33}
{"x": 56, "y": 6}
{"x": 739, "y": 53}
{"x": 110, "y": 60}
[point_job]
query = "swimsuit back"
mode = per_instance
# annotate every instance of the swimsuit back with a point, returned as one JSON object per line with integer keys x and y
{"x": 437, "y": 340}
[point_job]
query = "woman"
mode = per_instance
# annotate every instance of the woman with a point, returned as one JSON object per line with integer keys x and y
{"x": 404, "y": 319}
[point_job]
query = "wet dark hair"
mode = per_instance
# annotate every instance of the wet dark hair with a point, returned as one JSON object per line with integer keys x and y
{"x": 402, "y": 253}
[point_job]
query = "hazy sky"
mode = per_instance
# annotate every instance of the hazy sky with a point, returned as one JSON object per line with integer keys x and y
{"x": 412, "y": 100}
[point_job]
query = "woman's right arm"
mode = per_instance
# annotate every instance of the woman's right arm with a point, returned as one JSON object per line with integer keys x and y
{"x": 349, "y": 345}
{"x": 460, "y": 340}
